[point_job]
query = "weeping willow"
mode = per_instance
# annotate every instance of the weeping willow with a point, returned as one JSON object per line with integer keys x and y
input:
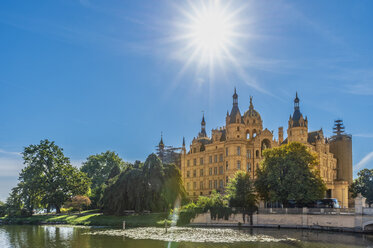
{"x": 150, "y": 186}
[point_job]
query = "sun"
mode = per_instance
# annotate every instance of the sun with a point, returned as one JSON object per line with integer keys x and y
{"x": 209, "y": 33}
{"x": 211, "y": 30}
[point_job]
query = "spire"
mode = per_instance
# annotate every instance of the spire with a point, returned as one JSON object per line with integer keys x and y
{"x": 203, "y": 127}
{"x": 296, "y": 102}
{"x": 161, "y": 145}
{"x": 251, "y": 103}
{"x": 235, "y": 98}
{"x": 183, "y": 141}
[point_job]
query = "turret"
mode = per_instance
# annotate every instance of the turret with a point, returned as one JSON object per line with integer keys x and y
{"x": 234, "y": 122}
{"x": 280, "y": 135}
{"x": 298, "y": 126}
{"x": 203, "y": 133}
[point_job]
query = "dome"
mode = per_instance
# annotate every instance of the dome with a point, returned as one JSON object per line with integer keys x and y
{"x": 252, "y": 112}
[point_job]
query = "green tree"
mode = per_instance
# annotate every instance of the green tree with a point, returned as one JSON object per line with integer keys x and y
{"x": 363, "y": 185}
{"x": 241, "y": 194}
{"x": 289, "y": 172}
{"x": 150, "y": 186}
{"x": 78, "y": 202}
{"x": 2, "y": 209}
{"x": 48, "y": 178}
{"x": 100, "y": 168}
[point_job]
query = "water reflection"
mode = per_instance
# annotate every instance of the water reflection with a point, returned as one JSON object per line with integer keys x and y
{"x": 67, "y": 236}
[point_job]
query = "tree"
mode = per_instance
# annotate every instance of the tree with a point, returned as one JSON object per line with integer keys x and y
{"x": 78, "y": 202}
{"x": 143, "y": 186}
{"x": 2, "y": 209}
{"x": 100, "y": 168}
{"x": 48, "y": 178}
{"x": 290, "y": 172}
{"x": 363, "y": 185}
{"x": 241, "y": 194}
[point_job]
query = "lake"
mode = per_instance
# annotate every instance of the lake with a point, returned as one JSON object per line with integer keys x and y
{"x": 84, "y": 237}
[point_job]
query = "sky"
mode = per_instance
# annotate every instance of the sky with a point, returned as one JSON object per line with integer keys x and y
{"x": 112, "y": 75}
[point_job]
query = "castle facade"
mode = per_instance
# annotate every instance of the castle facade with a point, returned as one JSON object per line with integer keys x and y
{"x": 211, "y": 161}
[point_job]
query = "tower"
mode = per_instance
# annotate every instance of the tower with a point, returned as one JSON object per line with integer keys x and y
{"x": 298, "y": 126}
{"x": 341, "y": 146}
{"x": 234, "y": 122}
{"x": 203, "y": 133}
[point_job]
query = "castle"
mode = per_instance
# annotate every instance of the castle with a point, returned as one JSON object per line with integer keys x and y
{"x": 211, "y": 161}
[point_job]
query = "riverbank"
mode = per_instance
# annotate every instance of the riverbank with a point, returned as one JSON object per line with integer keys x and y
{"x": 91, "y": 219}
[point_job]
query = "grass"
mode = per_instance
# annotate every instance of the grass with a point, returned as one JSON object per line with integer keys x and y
{"x": 93, "y": 219}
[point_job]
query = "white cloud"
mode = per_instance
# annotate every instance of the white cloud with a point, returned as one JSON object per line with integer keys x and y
{"x": 364, "y": 162}
{"x": 364, "y": 135}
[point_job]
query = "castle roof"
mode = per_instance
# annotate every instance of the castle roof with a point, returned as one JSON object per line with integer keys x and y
{"x": 251, "y": 112}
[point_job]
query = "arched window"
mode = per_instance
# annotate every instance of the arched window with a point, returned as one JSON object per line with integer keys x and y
{"x": 265, "y": 144}
{"x": 257, "y": 153}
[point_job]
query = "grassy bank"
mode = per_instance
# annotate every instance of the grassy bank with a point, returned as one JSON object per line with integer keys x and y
{"x": 91, "y": 219}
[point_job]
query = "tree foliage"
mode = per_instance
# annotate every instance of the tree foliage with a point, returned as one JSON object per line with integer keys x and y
{"x": 289, "y": 172}
{"x": 241, "y": 193}
{"x": 2, "y": 209}
{"x": 100, "y": 168}
{"x": 150, "y": 186}
{"x": 47, "y": 180}
{"x": 78, "y": 202}
{"x": 363, "y": 185}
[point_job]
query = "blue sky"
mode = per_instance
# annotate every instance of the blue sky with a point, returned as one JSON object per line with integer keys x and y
{"x": 112, "y": 75}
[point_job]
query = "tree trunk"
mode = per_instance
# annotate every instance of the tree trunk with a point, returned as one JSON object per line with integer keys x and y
{"x": 58, "y": 209}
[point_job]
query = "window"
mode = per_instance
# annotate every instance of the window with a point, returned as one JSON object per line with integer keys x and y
{"x": 188, "y": 186}
{"x": 194, "y": 185}
{"x": 201, "y": 161}
{"x": 226, "y": 165}
{"x": 195, "y": 161}
{"x": 221, "y": 170}
{"x": 226, "y": 151}
{"x": 257, "y": 153}
{"x": 188, "y": 163}
{"x": 221, "y": 184}
{"x": 221, "y": 158}
{"x": 194, "y": 173}
{"x": 238, "y": 164}
{"x": 210, "y": 184}
{"x": 248, "y": 154}
{"x": 226, "y": 180}
{"x": 201, "y": 186}
{"x": 215, "y": 184}
{"x": 238, "y": 128}
{"x": 215, "y": 158}
{"x": 201, "y": 172}
{"x": 248, "y": 166}
{"x": 210, "y": 171}
{"x": 210, "y": 159}
{"x": 215, "y": 170}
{"x": 194, "y": 150}
{"x": 238, "y": 150}
{"x": 187, "y": 173}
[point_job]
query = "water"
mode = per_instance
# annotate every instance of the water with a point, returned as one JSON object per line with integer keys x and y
{"x": 23, "y": 236}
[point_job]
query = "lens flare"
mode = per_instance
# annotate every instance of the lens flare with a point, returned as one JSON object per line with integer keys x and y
{"x": 209, "y": 33}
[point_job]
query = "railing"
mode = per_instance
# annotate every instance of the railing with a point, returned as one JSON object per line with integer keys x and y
{"x": 367, "y": 211}
{"x": 335, "y": 211}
